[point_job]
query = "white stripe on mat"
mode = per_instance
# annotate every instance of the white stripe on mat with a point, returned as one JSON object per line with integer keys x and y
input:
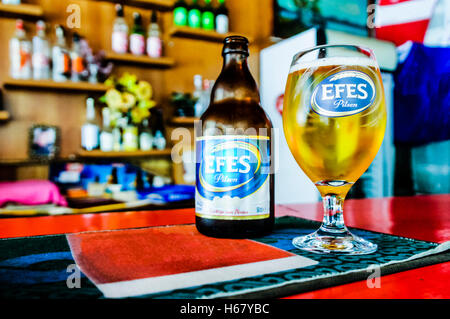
{"x": 137, "y": 287}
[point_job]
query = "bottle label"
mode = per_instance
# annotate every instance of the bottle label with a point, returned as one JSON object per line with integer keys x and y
{"x": 77, "y": 64}
{"x": 154, "y": 47}
{"x": 145, "y": 141}
{"x": 232, "y": 177}
{"x": 89, "y": 136}
{"x": 40, "y": 58}
{"x": 343, "y": 93}
{"x": 61, "y": 63}
{"x": 119, "y": 42}
{"x": 130, "y": 139}
{"x": 20, "y": 53}
{"x": 106, "y": 141}
{"x": 222, "y": 23}
{"x": 180, "y": 16}
{"x": 137, "y": 44}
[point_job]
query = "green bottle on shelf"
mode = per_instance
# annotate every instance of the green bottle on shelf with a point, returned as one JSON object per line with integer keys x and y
{"x": 194, "y": 15}
{"x": 208, "y": 16}
{"x": 180, "y": 13}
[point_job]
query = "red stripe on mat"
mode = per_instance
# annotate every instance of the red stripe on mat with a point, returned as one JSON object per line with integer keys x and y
{"x": 113, "y": 256}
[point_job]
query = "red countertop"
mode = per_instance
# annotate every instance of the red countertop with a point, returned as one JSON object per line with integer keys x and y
{"x": 421, "y": 217}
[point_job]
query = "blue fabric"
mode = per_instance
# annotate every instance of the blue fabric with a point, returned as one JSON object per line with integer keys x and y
{"x": 422, "y": 96}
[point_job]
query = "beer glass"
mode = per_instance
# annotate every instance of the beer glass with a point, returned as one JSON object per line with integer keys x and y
{"x": 334, "y": 118}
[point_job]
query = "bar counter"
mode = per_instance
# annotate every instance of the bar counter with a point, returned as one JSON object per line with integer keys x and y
{"x": 420, "y": 217}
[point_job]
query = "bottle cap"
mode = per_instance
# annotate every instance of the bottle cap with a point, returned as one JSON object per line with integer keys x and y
{"x": 137, "y": 18}
{"x": 119, "y": 10}
{"x": 59, "y": 29}
{"x": 40, "y": 25}
{"x": 19, "y": 24}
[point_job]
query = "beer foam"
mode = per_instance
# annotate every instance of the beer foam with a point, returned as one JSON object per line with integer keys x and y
{"x": 344, "y": 61}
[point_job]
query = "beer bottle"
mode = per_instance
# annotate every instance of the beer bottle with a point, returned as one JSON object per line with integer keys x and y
{"x": 234, "y": 183}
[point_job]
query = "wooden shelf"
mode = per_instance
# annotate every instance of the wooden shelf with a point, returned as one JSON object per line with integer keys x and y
{"x": 21, "y": 10}
{"x": 199, "y": 34}
{"x": 161, "y": 5}
{"x": 184, "y": 120}
{"x": 4, "y": 115}
{"x": 33, "y": 162}
{"x": 163, "y": 62}
{"x": 123, "y": 154}
{"x": 52, "y": 85}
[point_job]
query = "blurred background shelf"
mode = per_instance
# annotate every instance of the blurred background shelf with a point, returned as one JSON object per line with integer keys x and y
{"x": 123, "y": 154}
{"x": 21, "y": 10}
{"x": 161, "y": 5}
{"x": 33, "y": 162}
{"x": 4, "y": 115}
{"x": 184, "y": 120}
{"x": 163, "y": 62}
{"x": 199, "y": 34}
{"x": 52, "y": 85}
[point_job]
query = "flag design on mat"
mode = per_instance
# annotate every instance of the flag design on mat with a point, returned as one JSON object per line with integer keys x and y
{"x": 144, "y": 261}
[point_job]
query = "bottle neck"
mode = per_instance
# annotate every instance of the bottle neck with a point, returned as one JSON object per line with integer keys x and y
{"x": 235, "y": 81}
{"x": 61, "y": 41}
{"x": 90, "y": 113}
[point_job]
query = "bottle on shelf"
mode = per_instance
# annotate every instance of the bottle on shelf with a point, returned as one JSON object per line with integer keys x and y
{"x": 112, "y": 185}
{"x": 204, "y": 99}
{"x": 180, "y": 13}
{"x": 159, "y": 141}
{"x": 41, "y": 53}
{"x": 137, "y": 36}
{"x": 14, "y": 2}
{"x": 222, "y": 18}
{"x": 208, "y": 16}
{"x": 130, "y": 136}
{"x": 106, "y": 135}
{"x": 60, "y": 57}
{"x": 90, "y": 130}
{"x": 194, "y": 15}
{"x": 154, "y": 37}
{"x": 76, "y": 59}
{"x": 145, "y": 136}
{"x": 119, "y": 38}
{"x": 20, "y": 53}
{"x": 197, "y": 94}
{"x": 117, "y": 131}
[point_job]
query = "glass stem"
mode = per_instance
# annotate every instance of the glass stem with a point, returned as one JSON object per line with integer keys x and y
{"x": 333, "y": 217}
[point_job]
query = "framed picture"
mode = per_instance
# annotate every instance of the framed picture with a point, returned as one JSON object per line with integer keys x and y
{"x": 44, "y": 143}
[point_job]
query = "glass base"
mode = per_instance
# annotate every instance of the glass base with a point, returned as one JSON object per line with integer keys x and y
{"x": 329, "y": 243}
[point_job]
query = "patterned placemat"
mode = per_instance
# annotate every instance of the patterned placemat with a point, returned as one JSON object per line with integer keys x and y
{"x": 39, "y": 267}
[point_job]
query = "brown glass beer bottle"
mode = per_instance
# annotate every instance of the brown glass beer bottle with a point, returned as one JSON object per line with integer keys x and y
{"x": 234, "y": 180}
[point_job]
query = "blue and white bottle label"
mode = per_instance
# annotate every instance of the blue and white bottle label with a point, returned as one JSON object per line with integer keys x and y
{"x": 232, "y": 177}
{"x": 343, "y": 93}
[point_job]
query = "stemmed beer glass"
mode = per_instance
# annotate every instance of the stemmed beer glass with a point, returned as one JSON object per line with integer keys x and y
{"x": 334, "y": 118}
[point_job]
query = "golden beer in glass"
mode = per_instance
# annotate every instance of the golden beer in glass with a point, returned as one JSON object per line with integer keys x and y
{"x": 334, "y": 118}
